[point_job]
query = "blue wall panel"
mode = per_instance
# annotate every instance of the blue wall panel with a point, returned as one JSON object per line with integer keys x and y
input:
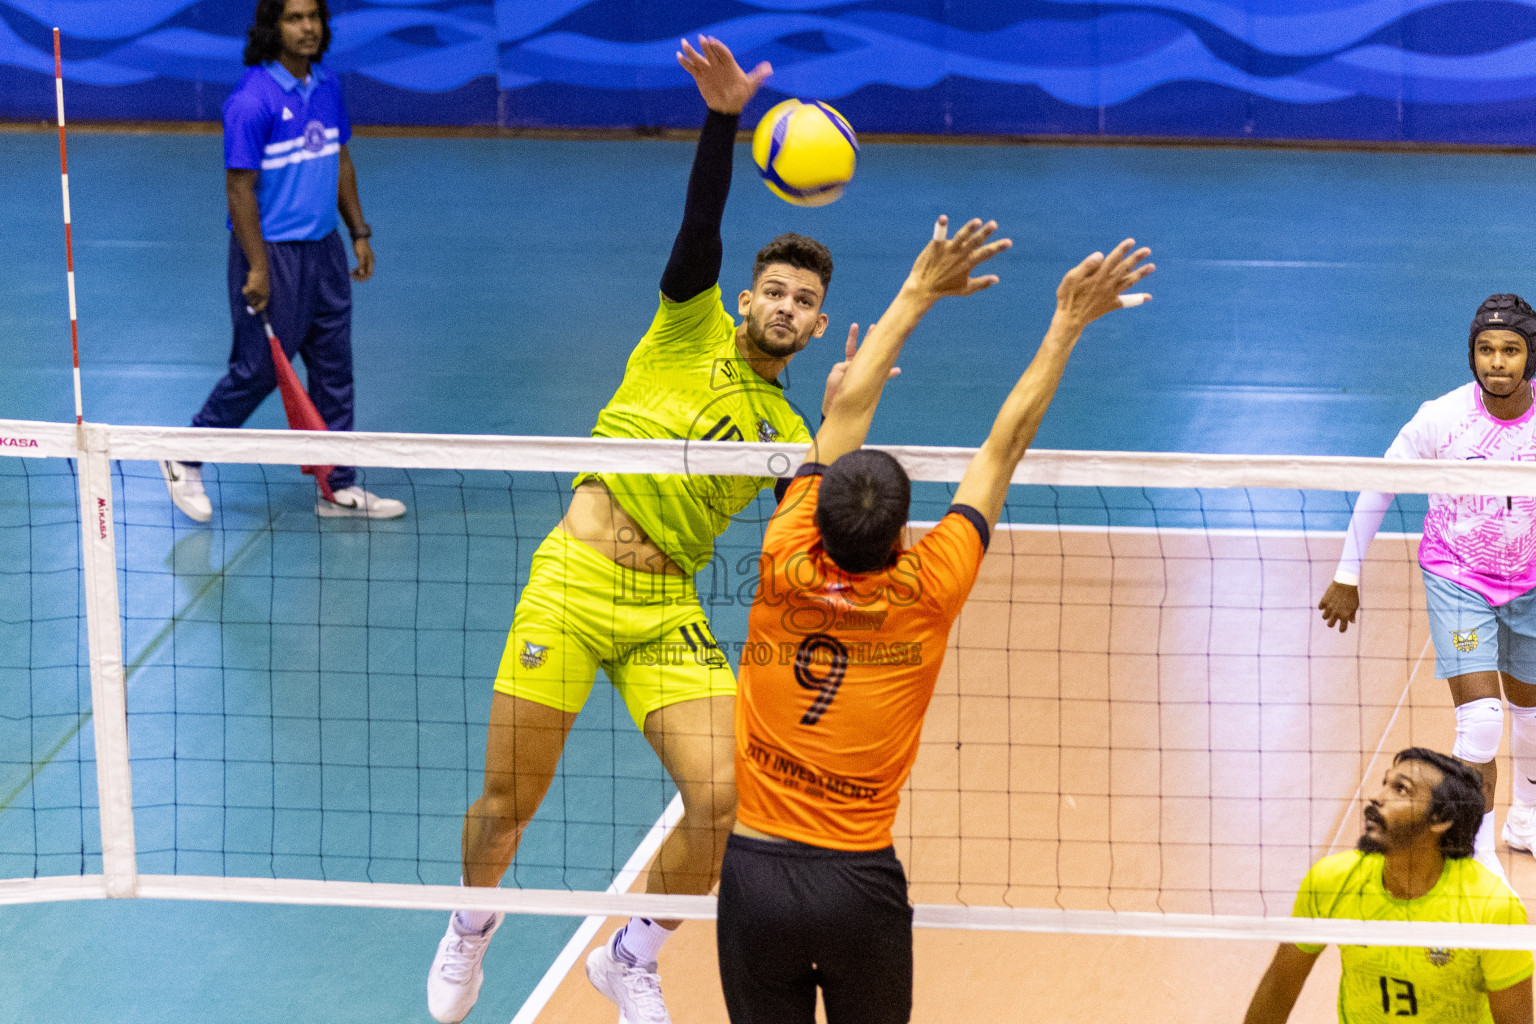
{"x": 1416, "y": 70}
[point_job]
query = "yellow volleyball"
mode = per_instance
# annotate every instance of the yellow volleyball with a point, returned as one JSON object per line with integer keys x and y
{"x": 805, "y": 152}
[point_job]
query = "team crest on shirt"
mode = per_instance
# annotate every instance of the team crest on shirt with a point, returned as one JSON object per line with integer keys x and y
{"x": 765, "y": 431}
{"x": 314, "y": 136}
{"x": 1464, "y": 641}
{"x": 534, "y": 655}
{"x": 1439, "y": 956}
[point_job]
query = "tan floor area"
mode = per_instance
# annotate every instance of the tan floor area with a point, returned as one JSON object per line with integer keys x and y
{"x": 1136, "y": 721}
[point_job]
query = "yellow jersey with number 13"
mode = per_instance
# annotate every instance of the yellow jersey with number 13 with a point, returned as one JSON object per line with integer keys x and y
{"x": 1415, "y": 985}
{"x": 686, "y": 381}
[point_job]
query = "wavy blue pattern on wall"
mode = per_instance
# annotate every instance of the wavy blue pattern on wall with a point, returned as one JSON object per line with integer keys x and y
{"x": 1432, "y": 70}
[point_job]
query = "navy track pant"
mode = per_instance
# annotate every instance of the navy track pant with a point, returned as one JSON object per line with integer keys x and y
{"x": 311, "y": 312}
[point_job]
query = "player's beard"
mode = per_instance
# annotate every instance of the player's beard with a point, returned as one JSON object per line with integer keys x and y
{"x": 760, "y": 340}
{"x": 1370, "y": 844}
{"x": 1374, "y": 843}
{"x": 1388, "y": 838}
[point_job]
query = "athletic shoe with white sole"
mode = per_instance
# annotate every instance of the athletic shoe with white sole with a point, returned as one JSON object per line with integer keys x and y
{"x": 356, "y": 503}
{"x": 635, "y": 989}
{"x": 454, "y": 982}
{"x": 1520, "y": 827}
{"x": 186, "y": 486}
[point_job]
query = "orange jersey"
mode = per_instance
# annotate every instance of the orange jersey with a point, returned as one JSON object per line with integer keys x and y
{"x": 837, "y": 674}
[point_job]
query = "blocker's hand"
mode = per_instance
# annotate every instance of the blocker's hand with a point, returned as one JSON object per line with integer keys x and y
{"x": 1095, "y": 286}
{"x": 725, "y": 87}
{"x": 1339, "y": 604}
{"x": 944, "y": 266}
{"x": 840, "y": 370}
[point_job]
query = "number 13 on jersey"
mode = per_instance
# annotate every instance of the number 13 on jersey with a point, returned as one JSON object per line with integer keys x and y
{"x": 1398, "y": 998}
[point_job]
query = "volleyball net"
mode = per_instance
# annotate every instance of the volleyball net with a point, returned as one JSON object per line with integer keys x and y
{"x": 1142, "y": 725}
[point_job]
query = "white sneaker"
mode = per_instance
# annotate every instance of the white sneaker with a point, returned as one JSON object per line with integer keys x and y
{"x": 358, "y": 503}
{"x": 454, "y": 982}
{"x": 1520, "y": 827}
{"x": 186, "y": 486}
{"x": 635, "y": 990}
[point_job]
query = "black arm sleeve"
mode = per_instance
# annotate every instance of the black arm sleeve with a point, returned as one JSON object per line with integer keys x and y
{"x": 696, "y": 254}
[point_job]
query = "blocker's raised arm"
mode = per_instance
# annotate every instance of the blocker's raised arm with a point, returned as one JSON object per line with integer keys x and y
{"x": 942, "y": 269}
{"x": 1094, "y": 287}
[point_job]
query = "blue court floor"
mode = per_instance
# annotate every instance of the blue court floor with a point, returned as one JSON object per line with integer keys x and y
{"x": 1305, "y": 303}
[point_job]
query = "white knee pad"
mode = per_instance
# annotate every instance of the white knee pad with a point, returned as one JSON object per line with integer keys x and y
{"x": 1479, "y": 730}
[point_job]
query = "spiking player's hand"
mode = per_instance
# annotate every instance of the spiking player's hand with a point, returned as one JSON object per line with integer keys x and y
{"x": 1096, "y": 285}
{"x": 944, "y": 266}
{"x": 840, "y": 370}
{"x": 725, "y": 87}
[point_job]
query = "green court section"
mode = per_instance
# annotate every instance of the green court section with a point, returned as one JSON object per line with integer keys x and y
{"x": 307, "y": 699}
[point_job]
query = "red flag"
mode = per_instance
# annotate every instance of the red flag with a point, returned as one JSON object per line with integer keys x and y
{"x": 302, "y": 414}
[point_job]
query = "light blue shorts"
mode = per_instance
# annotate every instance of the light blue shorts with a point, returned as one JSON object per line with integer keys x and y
{"x": 1473, "y": 636}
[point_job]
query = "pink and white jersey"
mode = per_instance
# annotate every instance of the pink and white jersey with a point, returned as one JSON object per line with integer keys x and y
{"x": 1486, "y": 543}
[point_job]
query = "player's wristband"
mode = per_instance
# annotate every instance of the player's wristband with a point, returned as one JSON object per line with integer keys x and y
{"x": 1349, "y": 579}
{"x": 358, "y": 236}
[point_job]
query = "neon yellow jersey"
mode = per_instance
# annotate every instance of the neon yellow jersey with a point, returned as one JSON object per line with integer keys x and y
{"x": 1391, "y": 983}
{"x": 685, "y": 380}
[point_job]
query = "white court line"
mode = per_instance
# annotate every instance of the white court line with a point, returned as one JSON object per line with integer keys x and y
{"x": 1354, "y": 800}
{"x": 540, "y": 996}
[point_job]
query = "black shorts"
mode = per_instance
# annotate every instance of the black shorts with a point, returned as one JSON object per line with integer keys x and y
{"x": 794, "y": 917}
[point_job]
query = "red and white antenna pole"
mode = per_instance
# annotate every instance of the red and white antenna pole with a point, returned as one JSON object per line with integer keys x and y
{"x": 69, "y": 243}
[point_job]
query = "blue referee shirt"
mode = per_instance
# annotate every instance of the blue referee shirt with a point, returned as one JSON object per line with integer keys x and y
{"x": 292, "y": 132}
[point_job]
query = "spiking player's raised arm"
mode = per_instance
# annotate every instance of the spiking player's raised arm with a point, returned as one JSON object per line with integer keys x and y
{"x": 694, "y": 265}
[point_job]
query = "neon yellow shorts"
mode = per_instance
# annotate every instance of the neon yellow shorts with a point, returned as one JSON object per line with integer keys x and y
{"x": 581, "y": 612}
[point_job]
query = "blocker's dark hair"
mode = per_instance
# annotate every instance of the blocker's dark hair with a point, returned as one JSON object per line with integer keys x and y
{"x": 797, "y": 251}
{"x": 264, "y": 40}
{"x": 865, "y": 496}
{"x": 1457, "y": 799}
